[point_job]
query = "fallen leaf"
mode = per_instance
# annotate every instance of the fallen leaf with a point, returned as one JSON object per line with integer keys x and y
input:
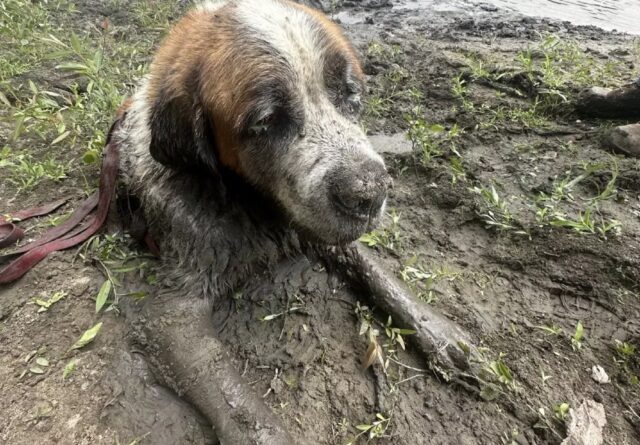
{"x": 60, "y": 138}
{"x": 69, "y": 368}
{"x": 374, "y": 352}
{"x": 101, "y": 299}
{"x": 45, "y": 305}
{"x": 87, "y": 337}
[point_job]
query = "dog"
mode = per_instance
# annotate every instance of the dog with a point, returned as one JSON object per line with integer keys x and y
{"x": 242, "y": 147}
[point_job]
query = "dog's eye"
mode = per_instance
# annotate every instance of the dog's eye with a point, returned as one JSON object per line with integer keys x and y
{"x": 354, "y": 101}
{"x": 352, "y": 96}
{"x": 261, "y": 126}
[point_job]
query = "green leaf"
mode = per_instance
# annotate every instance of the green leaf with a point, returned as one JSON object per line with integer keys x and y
{"x": 4, "y": 100}
{"x": 90, "y": 157}
{"x": 19, "y": 128}
{"x": 364, "y": 427}
{"x": 69, "y": 368}
{"x": 139, "y": 295}
{"x": 364, "y": 327}
{"x": 87, "y": 337}
{"x": 75, "y": 43}
{"x": 42, "y": 361}
{"x": 464, "y": 347}
{"x": 53, "y": 39}
{"x": 405, "y": 331}
{"x": 45, "y": 305}
{"x": 101, "y": 299}
{"x": 60, "y": 138}
{"x": 369, "y": 240}
{"x": 36, "y": 370}
{"x": 578, "y": 336}
{"x": 97, "y": 60}
{"x": 73, "y": 66}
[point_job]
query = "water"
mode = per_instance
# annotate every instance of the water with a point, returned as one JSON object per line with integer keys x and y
{"x": 623, "y": 15}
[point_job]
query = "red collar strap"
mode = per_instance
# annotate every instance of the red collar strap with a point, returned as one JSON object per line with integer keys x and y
{"x": 80, "y": 226}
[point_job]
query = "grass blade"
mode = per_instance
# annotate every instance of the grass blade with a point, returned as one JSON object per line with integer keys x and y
{"x": 101, "y": 299}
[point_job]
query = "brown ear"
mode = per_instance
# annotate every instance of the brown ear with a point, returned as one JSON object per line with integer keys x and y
{"x": 182, "y": 137}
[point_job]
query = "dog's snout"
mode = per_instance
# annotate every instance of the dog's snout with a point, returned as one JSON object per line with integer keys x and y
{"x": 360, "y": 189}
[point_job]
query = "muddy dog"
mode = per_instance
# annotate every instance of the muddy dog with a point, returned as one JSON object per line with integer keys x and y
{"x": 242, "y": 147}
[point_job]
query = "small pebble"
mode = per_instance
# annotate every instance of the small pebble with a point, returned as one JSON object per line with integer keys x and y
{"x": 79, "y": 286}
{"x": 599, "y": 375}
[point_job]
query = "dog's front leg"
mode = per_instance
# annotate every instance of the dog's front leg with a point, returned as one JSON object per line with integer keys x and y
{"x": 449, "y": 349}
{"x": 177, "y": 333}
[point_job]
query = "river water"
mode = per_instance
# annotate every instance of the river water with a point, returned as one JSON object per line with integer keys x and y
{"x": 622, "y": 15}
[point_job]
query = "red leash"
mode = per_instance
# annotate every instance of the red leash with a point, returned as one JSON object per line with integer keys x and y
{"x": 68, "y": 234}
{"x": 10, "y": 233}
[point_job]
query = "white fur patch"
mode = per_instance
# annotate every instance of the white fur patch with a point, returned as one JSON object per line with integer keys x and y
{"x": 291, "y": 31}
{"x": 211, "y": 5}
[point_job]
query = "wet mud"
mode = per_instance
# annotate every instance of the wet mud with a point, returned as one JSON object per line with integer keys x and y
{"x": 294, "y": 334}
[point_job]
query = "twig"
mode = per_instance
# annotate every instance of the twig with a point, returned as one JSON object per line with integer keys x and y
{"x": 407, "y": 366}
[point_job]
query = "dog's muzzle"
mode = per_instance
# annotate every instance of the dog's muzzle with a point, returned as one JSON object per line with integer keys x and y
{"x": 358, "y": 190}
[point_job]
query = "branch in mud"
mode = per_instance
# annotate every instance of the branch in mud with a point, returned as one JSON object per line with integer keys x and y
{"x": 449, "y": 349}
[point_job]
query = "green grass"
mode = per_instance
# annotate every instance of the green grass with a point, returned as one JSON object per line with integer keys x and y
{"x": 384, "y": 51}
{"x": 422, "y": 280}
{"x": 377, "y": 106}
{"x": 460, "y": 91}
{"x": 564, "y": 206}
{"x": 388, "y": 237}
{"x": 26, "y": 172}
{"x": 588, "y": 219}
{"x": 431, "y": 141}
{"x": 155, "y": 14}
{"x": 22, "y": 24}
{"x": 555, "y": 68}
{"x": 371, "y": 431}
{"x": 564, "y": 63}
{"x": 61, "y": 85}
{"x": 495, "y": 212}
{"x": 393, "y": 88}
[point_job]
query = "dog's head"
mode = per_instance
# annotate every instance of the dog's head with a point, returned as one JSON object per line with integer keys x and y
{"x": 270, "y": 90}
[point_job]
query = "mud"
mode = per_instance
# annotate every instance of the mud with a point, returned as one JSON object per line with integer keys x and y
{"x": 306, "y": 363}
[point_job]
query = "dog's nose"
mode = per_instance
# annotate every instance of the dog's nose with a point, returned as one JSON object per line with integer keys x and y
{"x": 359, "y": 189}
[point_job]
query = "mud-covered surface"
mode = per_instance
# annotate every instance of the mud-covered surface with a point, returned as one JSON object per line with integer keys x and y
{"x": 518, "y": 277}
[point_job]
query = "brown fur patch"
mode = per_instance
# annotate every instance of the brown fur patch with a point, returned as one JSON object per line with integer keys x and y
{"x": 122, "y": 109}
{"x": 203, "y": 52}
{"x": 191, "y": 56}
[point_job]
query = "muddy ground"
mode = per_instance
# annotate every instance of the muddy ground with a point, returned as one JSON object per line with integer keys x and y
{"x": 507, "y": 215}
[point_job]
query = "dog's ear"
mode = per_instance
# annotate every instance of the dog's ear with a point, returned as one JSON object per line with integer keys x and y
{"x": 182, "y": 137}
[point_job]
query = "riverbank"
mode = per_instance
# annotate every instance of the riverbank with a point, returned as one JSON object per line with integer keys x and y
{"x": 507, "y": 215}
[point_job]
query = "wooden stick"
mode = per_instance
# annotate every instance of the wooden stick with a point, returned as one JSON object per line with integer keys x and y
{"x": 447, "y": 346}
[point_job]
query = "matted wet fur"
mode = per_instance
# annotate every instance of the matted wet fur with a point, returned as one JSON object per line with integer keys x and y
{"x": 244, "y": 136}
{"x": 241, "y": 146}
